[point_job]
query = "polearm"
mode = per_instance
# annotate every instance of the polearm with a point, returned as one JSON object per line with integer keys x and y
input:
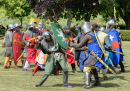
{"x": 95, "y": 55}
{"x": 22, "y": 53}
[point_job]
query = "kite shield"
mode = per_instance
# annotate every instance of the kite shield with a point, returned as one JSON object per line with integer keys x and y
{"x": 59, "y": 35}
{"x": 17, "y": 44}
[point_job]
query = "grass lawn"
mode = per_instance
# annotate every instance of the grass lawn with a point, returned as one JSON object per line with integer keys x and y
{"x": 17, "y": 80}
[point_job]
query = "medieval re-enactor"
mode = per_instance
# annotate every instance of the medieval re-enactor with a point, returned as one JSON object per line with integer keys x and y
{"x": 8, "y": 44}
{"x": 49, "y": 46}
{"x": 103, "y": 38}
{"x": 17, "y": 30}
{"x": 70, "y": 59}
{"x": 41, "y": 28}
{"x": 114, "y": 40}
{"x": 90, "y": 62}
{"x": 29, "y": 38}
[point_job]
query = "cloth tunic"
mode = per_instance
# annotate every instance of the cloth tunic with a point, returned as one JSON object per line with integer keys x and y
{"x": 96, "y": 49}
{"x": 31, "y": 36}
{"x": 52, "y": 48}
{"x": 70, "y": 59}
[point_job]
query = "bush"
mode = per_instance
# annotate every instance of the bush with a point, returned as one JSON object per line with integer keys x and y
{"x": 2, "y": 31}
{"x": 125, "y": 35}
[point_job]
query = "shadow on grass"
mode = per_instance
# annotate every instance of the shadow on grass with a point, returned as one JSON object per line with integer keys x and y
{"x": 107, "y": 85}
{"x": 113, "y": 77}
{"x": 72, "y": 84}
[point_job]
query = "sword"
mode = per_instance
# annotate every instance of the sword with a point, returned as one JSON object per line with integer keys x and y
{"x": 69, "y": 54}
{"x": 111, "y": 62}
{"x": 115, "y": 52}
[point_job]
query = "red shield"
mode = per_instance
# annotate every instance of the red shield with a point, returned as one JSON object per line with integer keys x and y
{"x": 17, "y": 44}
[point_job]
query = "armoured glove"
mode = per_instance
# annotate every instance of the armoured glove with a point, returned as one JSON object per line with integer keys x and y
{"x": 81, "y": 49}
{"x": 40, "y": 38}
{"x": 112, "y": 50}
{"x": 71, "y": 44}
{"x": 31, "y": 44}
{"x": 27, "y": 43}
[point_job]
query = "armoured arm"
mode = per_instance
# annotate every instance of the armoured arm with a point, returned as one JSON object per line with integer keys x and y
{"x": 87, "y": 39}
{"x": 21, "y": 32}
{"x": 10, "y": 37}
{"x": 107, "y": 42}
{"x": 24, "y": 40}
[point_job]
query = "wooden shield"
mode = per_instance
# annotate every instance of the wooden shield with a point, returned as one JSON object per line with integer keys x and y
{"x": 17, "y": 44}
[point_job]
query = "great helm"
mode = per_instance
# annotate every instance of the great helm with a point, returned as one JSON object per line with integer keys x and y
{"x": 10, "y": 27}
{"x": 16, "y": 25}
{"x": 46, "y": 35}
{"x": 31, "y": 24}
{"x": 86, "y": 27}
{"x": 102, "y": 29}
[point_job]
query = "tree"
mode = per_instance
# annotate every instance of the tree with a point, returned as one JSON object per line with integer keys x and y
{"x": 78, "y": 9}
{"x": 16, "y": 9}
{"x": 122, "y": 10}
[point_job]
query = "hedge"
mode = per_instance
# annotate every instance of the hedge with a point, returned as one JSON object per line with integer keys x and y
{"x": 125, "y": 34}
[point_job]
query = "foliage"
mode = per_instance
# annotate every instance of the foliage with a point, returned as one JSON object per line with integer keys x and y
{"x": 2, "y": 31}
{"x": 80, "y": 9}
{"x": 122, "y": 10}
{"x": 16, "y": 8}
{"x": 83, "y": 9}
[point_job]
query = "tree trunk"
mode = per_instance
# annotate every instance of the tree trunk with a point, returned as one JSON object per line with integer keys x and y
{"x": 69, "y": 17}
{"x": 21, "y": 21}
{"x": 127, "y": 20}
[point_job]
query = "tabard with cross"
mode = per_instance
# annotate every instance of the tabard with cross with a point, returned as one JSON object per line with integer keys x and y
{"x": 16, "y": 45}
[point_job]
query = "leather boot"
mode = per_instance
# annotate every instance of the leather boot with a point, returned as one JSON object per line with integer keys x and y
{"x": 97, "y": 82}
{"x": 65, "y": 80}
{"x": 122, "y": 66}
{"x": 87, "y": 80}
{"x": 44, "y": 78}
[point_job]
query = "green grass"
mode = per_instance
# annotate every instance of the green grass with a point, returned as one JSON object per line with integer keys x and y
{"x": 17, "y": 80}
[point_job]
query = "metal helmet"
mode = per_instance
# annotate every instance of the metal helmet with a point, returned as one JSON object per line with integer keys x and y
{"x": 16, "y": 25}
{"x": 102, "y": 29}
{"x": 111, "y": 22}
{"x": 40, "y": 24}
{"x": 31, "y": 24}
{"x": 66, "y": 27}
{"x": 86, "y": 27}
{"x": 46, "y": 35}
{"x": 10, "y": 27}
